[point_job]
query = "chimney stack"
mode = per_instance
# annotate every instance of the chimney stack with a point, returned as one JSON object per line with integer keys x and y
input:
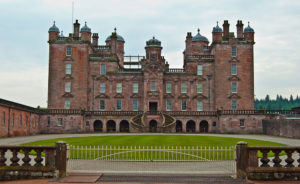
{"x": 76, "y": 27}
{"x": 239, "y": 29}
{"x": 95, "y": 39}
{"x": 226, "y": 30}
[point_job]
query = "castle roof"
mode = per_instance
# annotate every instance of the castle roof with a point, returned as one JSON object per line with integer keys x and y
{"x": 85, "y": 28}
{"x": 119, "y": 37}
{"x": 53, "y": 28}
{"x": 217, "y": 29}
{"x": 248, "y": 29}
{"x": 153, "y": 42}
{"x": 199, "y": 37}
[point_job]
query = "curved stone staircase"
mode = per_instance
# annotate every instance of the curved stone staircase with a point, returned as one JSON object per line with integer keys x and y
{"x": 169, "y": 122}
{"x": 138, "y": 122}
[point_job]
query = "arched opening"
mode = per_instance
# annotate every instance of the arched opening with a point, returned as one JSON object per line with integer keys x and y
{"x": 98, "y": 126}
{"x": 111, "y": 126}
{"x": 190, "y": 126}
{"x": 153, "y": 126}
{"x": 178, "y": 126}
{"x": 203, "y": 126}
{"x": 124, "y": 126}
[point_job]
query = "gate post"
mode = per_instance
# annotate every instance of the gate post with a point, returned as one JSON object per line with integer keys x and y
{"x": 61, "y": 158}
{"x": 241, "y": 159}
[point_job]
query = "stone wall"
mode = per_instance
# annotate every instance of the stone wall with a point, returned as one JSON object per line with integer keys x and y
{"x": 282, "y": 127}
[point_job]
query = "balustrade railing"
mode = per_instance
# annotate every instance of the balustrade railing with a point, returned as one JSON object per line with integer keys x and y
{"x": 191, "y": 113}
{"x": 101, "y": 47}
{"x": 175, "y": 70}
{"x": 201, "y": 57}
{"x": 112, "y": 113}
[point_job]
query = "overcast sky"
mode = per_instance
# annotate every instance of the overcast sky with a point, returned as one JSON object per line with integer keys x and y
{"x": 25, "y": 23}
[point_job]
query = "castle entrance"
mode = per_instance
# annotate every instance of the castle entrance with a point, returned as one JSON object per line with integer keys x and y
{"x": 153, "y": 126}
{"x": 203, "y": 126}
{"x": 98, "y": 126}
{"x": 153, "y": 106}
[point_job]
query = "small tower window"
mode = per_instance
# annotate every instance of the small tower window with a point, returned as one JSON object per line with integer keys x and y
{"x": 183, "y": 87}
{"x": 69, "y": 50}
{"x": 199, "y": 70}
{"x": 102, "y": 69}
{"x": 199, "y": 88}
{"x": 234, "y": 87}
{"x": 168, "y": 105}
{"x": 68, "y": 68}
{"x": 102, "y": 87}
{"x": 67, "y": 104}
{"x": 135, "y": 105}
{"x": 233, "y": 51}
{"x": 153, "y": 86}
{"x": 168, "y": 87}
{"x": 233, "y": 69}
{"x": 119, "y": 88}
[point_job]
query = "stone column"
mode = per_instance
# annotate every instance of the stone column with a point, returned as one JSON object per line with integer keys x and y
{"x": 241, "y": 159}
{"x": 61, "y": 158}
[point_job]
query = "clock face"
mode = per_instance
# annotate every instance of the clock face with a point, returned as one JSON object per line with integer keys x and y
{"x": 153, "y": 57}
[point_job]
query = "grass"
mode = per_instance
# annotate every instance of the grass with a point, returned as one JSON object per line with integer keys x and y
{"x": 188, "y": 141}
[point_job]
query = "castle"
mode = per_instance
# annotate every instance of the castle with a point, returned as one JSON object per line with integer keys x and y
{"x": 96, "y": 87}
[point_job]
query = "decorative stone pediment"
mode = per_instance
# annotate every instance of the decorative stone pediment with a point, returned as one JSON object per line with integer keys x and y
{"x": 152, "y": 94}
{"x": 200, "y": 78}
{"x": 234, "y": 96}
{"x": 234, "y": 60}
{"x": 119, "y": 95}
{"x": 234, "y": 78}
{"x": 135, "y": 95}
{"x": 68, "y": 58}
{"x": 102, "y": 78}
{"x": 152, "y": 66}
{"x": 199, "y": 97}
{"x": 102, "y": 95}
{"x": 168, "y": 95}
{"x": 183, "y": 96}
{"x": 68, "y": 95}
{"x": 68, "y": 77}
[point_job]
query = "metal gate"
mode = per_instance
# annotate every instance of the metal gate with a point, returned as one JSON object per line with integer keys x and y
{"x": 152, "y": 159}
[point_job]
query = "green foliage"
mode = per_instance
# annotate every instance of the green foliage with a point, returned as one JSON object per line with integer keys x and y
{"x": 279, "y": 103}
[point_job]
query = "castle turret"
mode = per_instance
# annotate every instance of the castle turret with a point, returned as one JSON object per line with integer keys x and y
{"x": 85, "y": 32}
{"x": 226, "y": 30}
{"x": 116, "y": 42}
{"x": 239, "y": 29}
{"x": 76, "y": 27}
{"x": 217, "y": 33}
{"x": 249, "y": 33}
{"x": 53, "y": 32}
{"x": 95, "y": 39}
{"x": 153, "y": 50}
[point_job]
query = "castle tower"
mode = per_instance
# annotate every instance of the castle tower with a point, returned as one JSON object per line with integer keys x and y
{"x": 53, "y": 32}
{"x": 116, "y": 42}
{"x": 249, "y": 33}
{"x": 217, "y": 34}
{"x": 153, "y": 50}
{"x": 85, "y": 32}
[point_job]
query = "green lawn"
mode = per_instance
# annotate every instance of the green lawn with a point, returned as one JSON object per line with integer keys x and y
{"x": 184, "y": 147}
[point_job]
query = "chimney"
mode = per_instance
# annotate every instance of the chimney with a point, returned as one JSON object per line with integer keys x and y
{"x": 188, "y": 44}
{"x": 95, "y": 39}
{"x": 76, "y": 27}
{"x": 226, "y": 30}
{"x": 239, "y": 29}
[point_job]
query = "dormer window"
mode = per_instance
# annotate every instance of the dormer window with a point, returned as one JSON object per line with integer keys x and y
{"x": 69, "y": 50}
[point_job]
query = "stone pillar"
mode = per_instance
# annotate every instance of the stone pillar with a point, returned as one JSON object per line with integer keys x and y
{"x": 61, "y": 158}
{"x": 241, "y": 159}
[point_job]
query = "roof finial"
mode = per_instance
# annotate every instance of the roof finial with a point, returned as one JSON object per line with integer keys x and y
{"x": 217, "y": 23}
{"x": 248, "y": 24}
{"x": 85, "y": 22}
{"x": 115, "y": 29}
{"x": 53, "y": 22}
{"x": 153, "y": 37}
{"x": 198, "y": 30}
{"x": 62, "y": 33}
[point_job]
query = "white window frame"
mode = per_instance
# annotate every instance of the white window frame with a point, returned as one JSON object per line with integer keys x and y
{"x": 68, "y": 87}
{"x": 135, "y": 87}
{"x": 169, "y": 87}
{"x": 69, "y": 50}
{"x": 153, "y": 85}
{"x": 242, "y": 122}
{"x": 118, "y": 105}
{"x": 233, "y": 51}
{"x": 67, "y": 104}
{"x": 119, "y": 87}
{"x": 234, "y": 87}
{"x": 59, "y": 122}
{"x": 182, "y": 105}
{"x": 102, "y": 88}
{"x": 183, "y": 87}
{"x": 199, "y": 87}
{"x": 199, "y": 70}
{"x": 234, "y": 105}
{"x": 168, "y": 105}
{"x": 135, "y": 105}
{"x": 68, "y": 69}
{"x": 199, "y": 106}
{"x": 100, "y": 105}
{"x": 234, "y": 69}
{"x": 102, "y": 69}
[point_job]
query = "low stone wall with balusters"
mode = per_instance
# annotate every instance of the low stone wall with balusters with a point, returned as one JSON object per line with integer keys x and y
{"x": 276, "y": 163}
{"x": 23, "y": 162}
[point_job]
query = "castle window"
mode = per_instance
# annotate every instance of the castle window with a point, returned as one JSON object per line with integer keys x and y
{"x": 20, "y": 119}
{"x": 3, "y": 117}
{"x": 233, "y": 51}
{"x": 102, "y": 87}
{"x": 168, "y": 87}
{"x": 183, "y": 105}
{"x": 87, "y": 123}
{"x": 67, "y": 104}
{"x": 153, "y": 86}
{"x": 214, "y": 124}
{"x": 13, "y": 119}
{"x": 135, "y": 105}
{"x": 234, "y": 87}
{"x": 199, "y": 70}
{"x": 199, "y": 106}
{"x": 59, "y": 122}
{"x": 69, "y": 50}
{"x": 242, "y": 123}
{"x": 119, "y": 105}
{"x": 68, "y": 68}
{"x": 119, "y": 87}
{"x": 199, "y": 88}
{"x": 102, "y": 69}
{"x": 102, "y": 105}
{"x": 26, "y": 121}
{"x": 168, "y": 105}
{"x": 68, "y": 87}
{"x": 234, "y": 104}
{"x": 183, "y": 87}
{"x": 233, "y": 69}
{"x": 48, "y": 121}
{"x": 135, "y": 87}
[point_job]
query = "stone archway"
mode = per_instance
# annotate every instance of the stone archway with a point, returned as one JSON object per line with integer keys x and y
{"x": 111, "y": 126}
{"x": 203, "y": 126}
{"x": 191, "y": 126}
{"x": 178, "y": 126}
{"x": 98, "y": 126}
{"x": 124, "y": 126}
{"x": 153, "y": 126}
